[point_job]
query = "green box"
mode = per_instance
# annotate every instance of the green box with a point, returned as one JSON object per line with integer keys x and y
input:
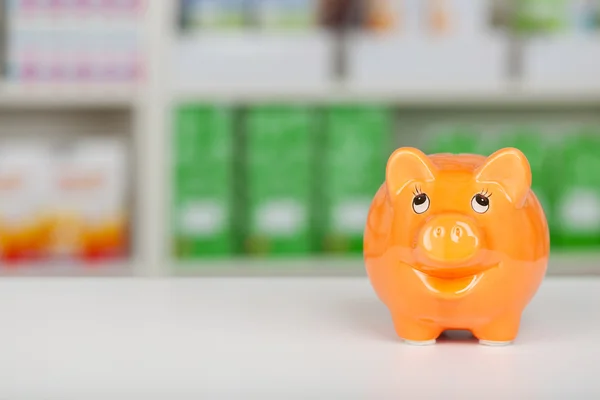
{"x": 540, "y": 16}
{"x": 213, "y": 15}
{"x": 578, "y": 184}
{"x": 203, "y": 185}
{"x": 286, "y": 14}
{"x": 279, "y": 178}
{"x": 357, "y": 145}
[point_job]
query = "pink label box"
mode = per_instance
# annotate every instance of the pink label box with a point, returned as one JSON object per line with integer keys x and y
{"x": 53, "y": 7}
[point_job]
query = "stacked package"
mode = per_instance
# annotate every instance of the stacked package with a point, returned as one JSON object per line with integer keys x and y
{"x": 63, "y": 202}
{"x": 74, "y": 41}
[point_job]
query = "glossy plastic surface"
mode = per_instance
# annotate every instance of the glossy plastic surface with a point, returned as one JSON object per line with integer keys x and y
{"x": 456, "y": 242}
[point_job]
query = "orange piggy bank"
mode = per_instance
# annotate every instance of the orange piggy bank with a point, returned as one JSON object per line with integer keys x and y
{"x": 456, "y": 242}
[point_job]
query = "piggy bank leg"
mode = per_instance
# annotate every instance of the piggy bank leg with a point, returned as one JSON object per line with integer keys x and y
{"x": 416, "y": 332}
{"x": 499, "y": 332}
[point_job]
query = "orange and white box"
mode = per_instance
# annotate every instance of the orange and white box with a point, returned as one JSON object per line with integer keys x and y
{"x": 89, "y": 186}
{"x": 25, "y": 222}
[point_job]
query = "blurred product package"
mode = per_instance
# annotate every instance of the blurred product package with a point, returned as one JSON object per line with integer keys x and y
{"x": 380, "y": 16}
{"x": 557, "y": 16}
{"x": 583, "y": 15}
{"x": 214, "y": 14}
{"x": 459, "y": 17}
{"x": 560, "y": 42}
{"x": 252, "y": 55}
{"x": 424, "y": 44}
{"x": 286, "y": 14}
{"x": 25, "y": 169}
{"x": 77, "y": 6}
{"x": 278, "y": 174}
{"x": 384, "y": 15}
{"x": 342, "y": 14}
{"x": 272, "y": 15}
{"x": 202, "y": 177}
{"x": 357, "y": 143}
{"x": 63, "y": 202}
{"x": 578, "y": 200}
{"x": 541, "y": 16}
{"x": 88, "y": 197}
{"x": 53, "y": 42}
{"x": 439, "y": 17}
{"x": 425, "y": 17}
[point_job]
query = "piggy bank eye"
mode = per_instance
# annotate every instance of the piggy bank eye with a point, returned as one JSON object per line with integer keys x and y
{"x": 420, "y": 203}
{"x": 480, "y": 203}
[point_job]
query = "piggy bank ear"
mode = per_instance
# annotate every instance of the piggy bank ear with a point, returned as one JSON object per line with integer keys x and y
{"x": 510, "y": 169}
{"x": 406, "y": 165}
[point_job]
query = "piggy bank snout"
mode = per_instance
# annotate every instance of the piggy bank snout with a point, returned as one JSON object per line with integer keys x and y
{"x": 449, "y": 238}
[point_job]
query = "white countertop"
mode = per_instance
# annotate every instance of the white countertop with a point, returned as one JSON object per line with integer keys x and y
{"x": 259, "y": 338}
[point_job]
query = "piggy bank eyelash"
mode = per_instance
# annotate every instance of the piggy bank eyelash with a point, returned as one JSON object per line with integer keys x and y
{"x": 417, "y": 191}
{"x": 485, "y": 193}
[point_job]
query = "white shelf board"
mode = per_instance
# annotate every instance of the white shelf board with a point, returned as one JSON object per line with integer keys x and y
{"x": 74, "y": 269}
{"x": 560, "y": 264}
{"x": 277, "y": 339}
{"x": 508, "y": 95}
{"x": 24, "y": 96}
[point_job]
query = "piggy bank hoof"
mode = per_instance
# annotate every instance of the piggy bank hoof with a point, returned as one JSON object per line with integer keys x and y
{"x": 420, "y": 342}
{"x": 494, "y": 344}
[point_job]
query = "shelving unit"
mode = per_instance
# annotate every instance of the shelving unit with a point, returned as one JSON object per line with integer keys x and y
{"x": 506, "y": 93}
{"x": 129, "y": 109}
{"x": 149, "y": 105}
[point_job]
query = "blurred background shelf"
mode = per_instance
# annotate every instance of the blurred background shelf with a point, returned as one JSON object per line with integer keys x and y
{"x": 208, "y": 101}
